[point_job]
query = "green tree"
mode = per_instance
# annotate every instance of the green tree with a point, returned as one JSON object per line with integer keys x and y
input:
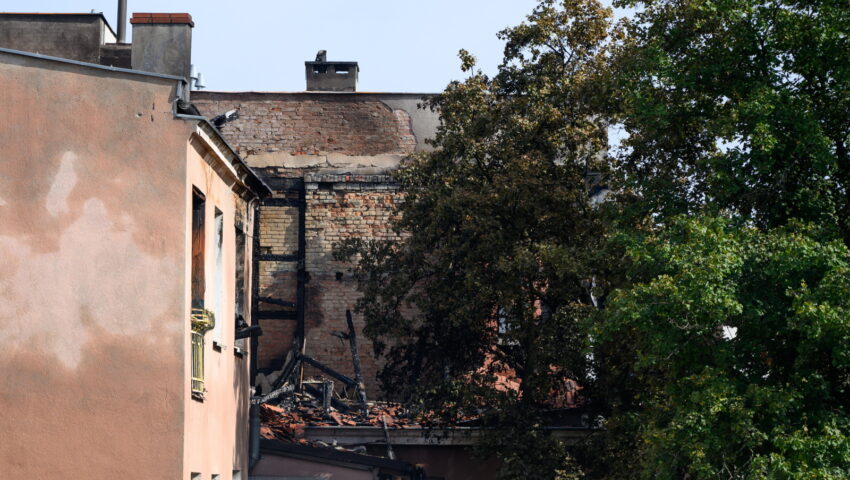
{"x": 737, "y": 115}
{"x": 739, "y": 106}
{"x": 742, "y": 344}
{"x": 481, "y": 302}
{"x": 737, "y": 110}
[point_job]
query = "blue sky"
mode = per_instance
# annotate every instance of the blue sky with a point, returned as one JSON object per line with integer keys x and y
{"x": 401, "y": 45}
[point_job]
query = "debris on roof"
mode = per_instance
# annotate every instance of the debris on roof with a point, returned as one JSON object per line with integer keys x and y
{"x": 288, "y": 423}
{"x": 289, "y": 404}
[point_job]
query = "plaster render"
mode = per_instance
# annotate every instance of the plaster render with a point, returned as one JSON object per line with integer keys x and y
{"x": 92, "y": 173}
{"x": 216, "y": 428}
{"x": 162, "y": 48}
{"x": 333, "y": 162}
{"x": 75, "y": 36}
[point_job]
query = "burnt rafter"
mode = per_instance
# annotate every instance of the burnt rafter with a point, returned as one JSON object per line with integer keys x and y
{"x": 348, "y": 381}
{"x": 295, "y": 197}
{"x": 276, "y": 301}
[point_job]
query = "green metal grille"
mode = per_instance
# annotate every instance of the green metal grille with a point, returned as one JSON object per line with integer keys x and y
{"x": 197, "y": 363}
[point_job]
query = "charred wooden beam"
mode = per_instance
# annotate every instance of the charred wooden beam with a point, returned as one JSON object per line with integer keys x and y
{"x": 255, "y": 291}
{"x": 335, "y": 402}
{"x": 293, "y": 359}
{"x": 288, "y": 388}
{"x": 276, "y": 315}
{"x": 301, "y": 275}
{"x": 281, "y": 202}
{"x": 390, "y": 452}
{"x": 276, "y": 301}
{"x": 252, "y": 331}
{"x": 271, "y": 257}
{"x": 327, "y": 395}
{"x": 355, "y": 358}
{"x": 328, "y": 370}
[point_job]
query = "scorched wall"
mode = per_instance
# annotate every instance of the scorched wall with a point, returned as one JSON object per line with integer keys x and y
{"x": 339, "y": 150}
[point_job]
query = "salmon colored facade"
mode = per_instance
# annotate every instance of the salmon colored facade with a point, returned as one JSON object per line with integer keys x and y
{"x": 97, "y": 178}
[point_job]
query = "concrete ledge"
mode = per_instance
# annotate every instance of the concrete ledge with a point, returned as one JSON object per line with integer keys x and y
{"x": 376, "y": 163}
{"x": 459, "y": 436}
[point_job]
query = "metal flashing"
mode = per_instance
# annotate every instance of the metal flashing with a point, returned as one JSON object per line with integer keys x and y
{"x": 91, "y": 65}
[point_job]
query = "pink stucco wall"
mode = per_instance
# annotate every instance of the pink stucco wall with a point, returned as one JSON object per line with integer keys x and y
{"x": 216, "y": 427}
{"x": 94, "y": 330}
{"x": 91, "y": 284}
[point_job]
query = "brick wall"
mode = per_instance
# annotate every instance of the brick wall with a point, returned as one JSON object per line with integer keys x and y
{"x": 335, "y": 212}
{"x": 312, "y": 124}
{"x": 291, "y": 133}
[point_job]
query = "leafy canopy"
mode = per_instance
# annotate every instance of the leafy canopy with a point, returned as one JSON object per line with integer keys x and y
{"x": 480, "y": 301}
{"x": 703, "y": 307}
{"x": 742, "y": 345}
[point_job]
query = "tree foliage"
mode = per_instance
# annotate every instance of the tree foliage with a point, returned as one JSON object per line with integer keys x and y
{"x": 737, "y": 112}
{"x": 740, "y": 106}
{"x": 479, "y": 303}
{"x": 703, "y": 307}
{"x": 742, "y": 345}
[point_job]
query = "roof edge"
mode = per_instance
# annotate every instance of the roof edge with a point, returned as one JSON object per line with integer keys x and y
{"x": 333, "y": 456}
{"x": 91, "y": 65}
{"x": 253, "y": 181}
{"x": 309, "y": 92}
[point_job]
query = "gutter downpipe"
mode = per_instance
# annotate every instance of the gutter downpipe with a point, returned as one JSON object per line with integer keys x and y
{"x": 254, "y": 434}
{"x": 254, "y": 430}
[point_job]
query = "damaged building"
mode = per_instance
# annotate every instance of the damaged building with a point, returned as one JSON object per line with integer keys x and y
{"x": 170, "y": 294}
{"x": 328, "y": 153}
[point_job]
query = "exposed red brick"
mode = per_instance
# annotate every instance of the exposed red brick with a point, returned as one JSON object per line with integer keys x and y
{"x": 163, "y": 18}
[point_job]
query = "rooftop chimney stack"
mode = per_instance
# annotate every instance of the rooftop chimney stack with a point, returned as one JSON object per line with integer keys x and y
{"x": 162, "y": 43}
{"x": 325, "y": 76}
{"x": 122, "y": 21}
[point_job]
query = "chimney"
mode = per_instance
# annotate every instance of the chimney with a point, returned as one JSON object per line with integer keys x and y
{"x": 162, "y": 43}
{"x": 325, "y": 76}
{"x": 122, "y": 21}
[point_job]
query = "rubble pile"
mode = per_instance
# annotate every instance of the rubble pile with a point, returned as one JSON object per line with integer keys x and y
{"x": 287, "y": 423}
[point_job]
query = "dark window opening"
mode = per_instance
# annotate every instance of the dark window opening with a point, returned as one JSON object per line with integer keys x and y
{"x": 198, "y": 220}
{"x": 240, "y": 272}
{"x": 218, "y": 274}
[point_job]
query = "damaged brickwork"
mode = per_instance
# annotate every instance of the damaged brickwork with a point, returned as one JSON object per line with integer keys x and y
{"x": 344, "y": 148}
{"x": 335, "y": 212}
{"x": 313, "y": 124}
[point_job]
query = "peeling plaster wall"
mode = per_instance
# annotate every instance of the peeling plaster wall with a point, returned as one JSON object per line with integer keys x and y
{"x": 92, "y": 233}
